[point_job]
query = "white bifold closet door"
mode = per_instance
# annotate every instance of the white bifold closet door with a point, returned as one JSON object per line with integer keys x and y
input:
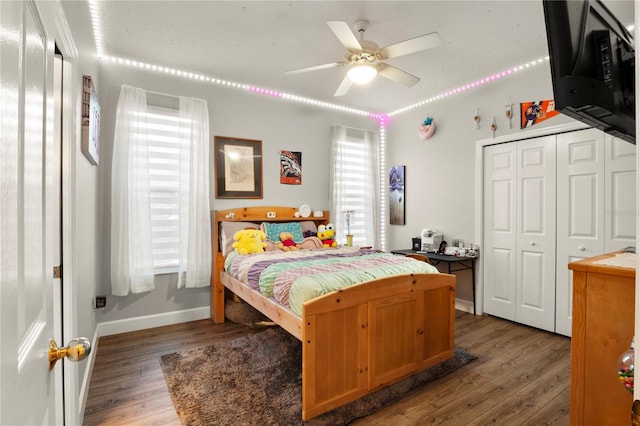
{"x": 520, "y": 230}
{"x": 596, "y": 206}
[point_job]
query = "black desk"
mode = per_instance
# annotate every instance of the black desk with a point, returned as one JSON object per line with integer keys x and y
{"x": 461, "y": 263}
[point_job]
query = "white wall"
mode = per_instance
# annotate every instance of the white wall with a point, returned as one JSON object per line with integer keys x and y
{"x": 233, "y": 112}
{"x": 440, "y": 172}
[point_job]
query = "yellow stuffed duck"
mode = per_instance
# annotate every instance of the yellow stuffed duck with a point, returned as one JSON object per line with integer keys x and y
{"x": 249, "y": 241}
{"x": 326, "y": 234}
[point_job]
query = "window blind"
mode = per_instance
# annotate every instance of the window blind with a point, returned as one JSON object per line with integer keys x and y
{"x": 164, "y": 185}
{"x": 354, "y": 174}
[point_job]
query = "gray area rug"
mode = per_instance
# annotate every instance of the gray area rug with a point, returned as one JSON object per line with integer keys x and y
{"x": 256, "y": 380}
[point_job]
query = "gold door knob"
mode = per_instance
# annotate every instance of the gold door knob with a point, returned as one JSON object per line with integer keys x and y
{"x": 77, "y": 350}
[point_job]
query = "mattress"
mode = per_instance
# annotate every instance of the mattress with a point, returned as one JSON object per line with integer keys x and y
{"x": 292, "y": 278}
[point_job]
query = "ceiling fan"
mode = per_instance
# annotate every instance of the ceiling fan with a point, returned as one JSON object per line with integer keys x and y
{"x": 364, "y": 57}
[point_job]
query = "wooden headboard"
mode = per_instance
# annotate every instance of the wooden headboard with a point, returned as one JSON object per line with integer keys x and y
{"x": 247, "y": 214}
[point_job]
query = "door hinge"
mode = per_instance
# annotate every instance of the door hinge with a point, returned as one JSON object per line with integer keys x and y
{"x": 57, "y": 271}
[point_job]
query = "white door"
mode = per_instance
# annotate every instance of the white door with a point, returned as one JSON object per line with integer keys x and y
{"x": 536, "y": 232}
{"x": 519, "y": 231}
{"x": 580, "y": 212}
{"x": 29, "y": 201}
{"x": 499, "y": 253}
{"x": 619, "y": 194}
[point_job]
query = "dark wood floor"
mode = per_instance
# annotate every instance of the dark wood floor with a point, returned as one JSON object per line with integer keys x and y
{"x": 521, "y": 376}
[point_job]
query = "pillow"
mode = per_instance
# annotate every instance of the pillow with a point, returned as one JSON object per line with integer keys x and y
{"x": 273, "y": 230}
{"x": 228, "y": 230}
{"x": 309, "y": 227}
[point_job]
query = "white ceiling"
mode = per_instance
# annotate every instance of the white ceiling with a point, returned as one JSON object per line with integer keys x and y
{"x": 256, "y": 42}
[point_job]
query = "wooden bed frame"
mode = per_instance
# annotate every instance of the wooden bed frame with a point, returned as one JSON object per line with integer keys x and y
{"x": 355, "y": 340}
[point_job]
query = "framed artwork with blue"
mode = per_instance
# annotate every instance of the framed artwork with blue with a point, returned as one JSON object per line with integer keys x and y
{"x": 397, "y": 195}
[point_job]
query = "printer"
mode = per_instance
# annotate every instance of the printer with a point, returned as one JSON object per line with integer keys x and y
{"x": 430, "y": 240}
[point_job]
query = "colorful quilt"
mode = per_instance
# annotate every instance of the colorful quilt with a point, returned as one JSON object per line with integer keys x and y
{"x": 294, "y": 277}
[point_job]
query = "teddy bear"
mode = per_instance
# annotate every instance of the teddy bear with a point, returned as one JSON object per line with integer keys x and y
{"x": 326, "y": 234}
{"x": 247, "y": 241}
{"x": 286, "y": 242}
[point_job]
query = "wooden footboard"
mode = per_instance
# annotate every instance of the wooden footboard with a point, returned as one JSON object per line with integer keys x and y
{"x": 366, "y": 336}
{"x": 370, "y": 335}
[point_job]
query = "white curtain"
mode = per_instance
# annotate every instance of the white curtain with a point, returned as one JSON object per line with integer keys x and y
{"x": 372, "y": 191}
{"x": 354, "y": 174}
{"x": 195, "y": 224}
{"x": 131, "y": 256}
{"x": 132, "y": 266}
{"x": 337, "y": 187}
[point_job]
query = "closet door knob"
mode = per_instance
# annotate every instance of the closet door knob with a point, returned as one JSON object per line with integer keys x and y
{"x": 581, "y": 248}
{"x": 532, "y": 243}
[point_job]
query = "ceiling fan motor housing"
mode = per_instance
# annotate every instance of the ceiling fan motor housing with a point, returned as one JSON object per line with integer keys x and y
{"x": 368, "y": 54}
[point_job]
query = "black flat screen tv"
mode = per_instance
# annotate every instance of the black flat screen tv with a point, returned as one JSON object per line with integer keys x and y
{"x": 592, "y": 61}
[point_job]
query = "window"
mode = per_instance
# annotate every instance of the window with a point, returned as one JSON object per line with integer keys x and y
{"x": 164, "y": 185}
{"x": 159, "y": 191}
{"x": 355, "y": 185}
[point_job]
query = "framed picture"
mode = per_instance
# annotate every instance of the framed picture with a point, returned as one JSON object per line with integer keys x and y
{"x": 238, "y": 167}
{"x": 290, "y": 168}
{"x": 90, "y": 122}
{"x": 396, "y": 195}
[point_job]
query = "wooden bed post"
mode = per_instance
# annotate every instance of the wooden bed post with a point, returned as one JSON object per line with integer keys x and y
{"x": 217, "y": 292}
{"x": 217, "y": 264}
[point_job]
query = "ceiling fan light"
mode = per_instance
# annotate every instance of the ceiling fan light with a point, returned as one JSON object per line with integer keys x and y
{"x": 362, "y": 74}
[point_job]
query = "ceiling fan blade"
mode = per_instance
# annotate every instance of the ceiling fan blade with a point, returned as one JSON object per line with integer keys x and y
{"x": 397, "y": 75}
{"x": 344, "y": 86}
{"x": 406, "y": 47}
{"x": 316, "y": 67}
{"x": 345, "y": 35}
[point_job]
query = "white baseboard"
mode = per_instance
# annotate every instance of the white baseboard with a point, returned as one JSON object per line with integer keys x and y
{"x": 150, "y": 321}
{"x": 464, "y": 305}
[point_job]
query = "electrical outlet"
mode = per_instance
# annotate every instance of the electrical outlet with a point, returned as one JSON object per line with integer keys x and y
{"x": 271, "y": 215}
{"x": 100, "y": 302}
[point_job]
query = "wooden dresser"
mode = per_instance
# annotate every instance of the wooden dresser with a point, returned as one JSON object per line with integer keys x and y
{"x": 602, "y": 329}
